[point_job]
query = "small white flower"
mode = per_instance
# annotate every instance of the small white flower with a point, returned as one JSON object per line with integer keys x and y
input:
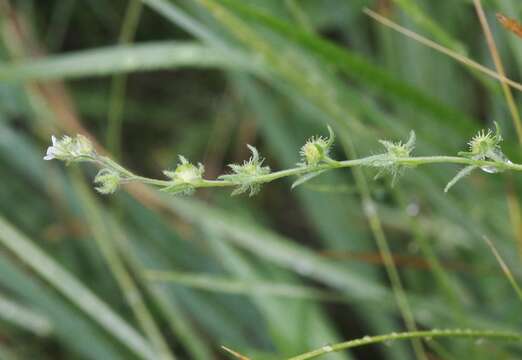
{"x": 59, "y": 148}
{"x": 69, "y": 149}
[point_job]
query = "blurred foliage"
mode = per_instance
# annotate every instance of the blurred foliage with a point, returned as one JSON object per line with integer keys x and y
{"x": 285, "y": 271}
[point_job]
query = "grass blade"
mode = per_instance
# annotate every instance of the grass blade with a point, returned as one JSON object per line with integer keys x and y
{"x": 70, "y": 287}
{"x": 354, "y": 65}
{"x": 122, "y": 59}
{"x": 505, "y": 268}
{"x": 125, "y": 280}
{"x": 24, "y": 317}
{"x": 232, "y": 286}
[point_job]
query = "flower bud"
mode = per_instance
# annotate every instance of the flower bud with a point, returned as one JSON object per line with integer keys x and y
{"x": 109, "y": 181}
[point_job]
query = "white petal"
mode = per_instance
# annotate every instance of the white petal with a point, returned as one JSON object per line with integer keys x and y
{"x": 54, "y": 151}
{"x": 53, "y": 139}
{"x": 50, "y": 153}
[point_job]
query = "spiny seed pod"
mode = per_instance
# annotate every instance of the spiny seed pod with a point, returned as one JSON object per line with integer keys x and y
{"x": 108, "y": 180}
{"x": 316, "y": 149}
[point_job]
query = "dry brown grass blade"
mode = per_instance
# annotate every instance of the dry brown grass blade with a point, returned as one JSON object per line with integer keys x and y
{"x": 513, "y": 207}
{"x": 515, "y": 115}
{"x": 505, "y": 268}
{"x": 234, "y": 353}
{"x": 510, "y": 24}
{"x": 429, "y": 43}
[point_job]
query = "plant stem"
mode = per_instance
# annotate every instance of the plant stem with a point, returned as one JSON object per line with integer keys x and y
{"x": 370, "y": 161}
{"x": 367, "y": 340}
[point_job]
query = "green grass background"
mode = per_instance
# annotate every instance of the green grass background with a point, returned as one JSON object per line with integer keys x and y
{"x": 283, "y": 272}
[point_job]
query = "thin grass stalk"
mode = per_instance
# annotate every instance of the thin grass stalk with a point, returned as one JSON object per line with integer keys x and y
{"x": 239, "y": 287}
{"x": 515, "y": 215}
{"x": 74, "y": 290}
{"x": 124, "y": 279}
{"x": 452, "y": 54}
{"x": 515, "y": 115}
{"x": 505, "y": 269}
{"x": 427, "y": 335}
{"x": 371, "y": 213}
{"x": 25, "y": 318}
{"x": 441, "y": 276}
{"x": 179, "y": 324}
{"x": 119, "y": 81}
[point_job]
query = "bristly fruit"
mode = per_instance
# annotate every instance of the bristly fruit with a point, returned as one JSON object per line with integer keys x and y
{"x": 108, "y": 181}
{"x": 185, "y": 177}
{"x": 394, "y": 151}
{"x": 316, "y": 149}
{"x": 485, "y": 145}
{"x": 246, "y": 175}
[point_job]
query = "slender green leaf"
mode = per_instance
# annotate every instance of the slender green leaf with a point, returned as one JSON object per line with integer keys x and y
{"x": 70, "y": 287}
{"x": 123, "y": 59}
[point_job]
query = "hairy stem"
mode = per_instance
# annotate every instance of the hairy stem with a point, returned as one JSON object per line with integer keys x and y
{"x": 367, "y": 340}
{"x": 370, "y": 161}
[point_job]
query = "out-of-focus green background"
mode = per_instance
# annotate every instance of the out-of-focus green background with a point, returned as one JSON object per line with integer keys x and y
{"x": 143, "y": 275}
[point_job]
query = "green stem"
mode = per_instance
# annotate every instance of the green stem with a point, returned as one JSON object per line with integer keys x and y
{"x": 119, "y": 81}
{"x": 370, "y": 161}
{"x": 367, "y": 340}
